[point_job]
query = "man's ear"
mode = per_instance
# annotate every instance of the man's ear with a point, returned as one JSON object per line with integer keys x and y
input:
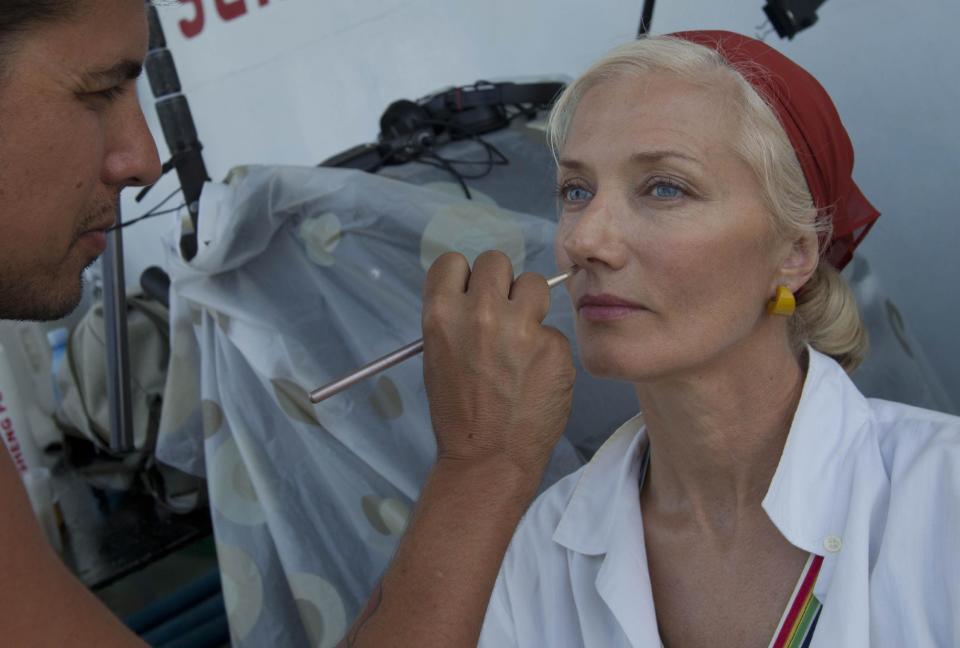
{"x": 800, "y": 262}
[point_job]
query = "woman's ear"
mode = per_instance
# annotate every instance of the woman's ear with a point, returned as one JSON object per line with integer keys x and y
{"x": 800, "y": 262}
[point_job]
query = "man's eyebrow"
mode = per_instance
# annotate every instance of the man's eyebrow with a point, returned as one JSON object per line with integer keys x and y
{"x": 643, "y": 157}
{"x": 123, "y": 71}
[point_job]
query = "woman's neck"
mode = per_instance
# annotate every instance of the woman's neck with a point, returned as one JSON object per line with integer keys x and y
{"x": 717, "y": 432}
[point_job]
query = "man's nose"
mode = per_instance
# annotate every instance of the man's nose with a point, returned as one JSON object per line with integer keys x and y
{"x": 132, "y": 158}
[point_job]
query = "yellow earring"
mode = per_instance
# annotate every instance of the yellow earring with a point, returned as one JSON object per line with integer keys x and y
{"x": 783, "y": 304}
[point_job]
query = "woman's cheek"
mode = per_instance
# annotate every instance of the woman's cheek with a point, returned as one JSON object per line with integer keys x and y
{"x": 559, "y": 251}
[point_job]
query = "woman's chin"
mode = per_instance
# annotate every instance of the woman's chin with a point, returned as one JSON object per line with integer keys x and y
{"x": 643, "y": 363}
{"x": 610, "y": 366}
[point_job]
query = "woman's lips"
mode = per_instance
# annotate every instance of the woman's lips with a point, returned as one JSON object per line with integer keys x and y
{"x": 603, "y": 308}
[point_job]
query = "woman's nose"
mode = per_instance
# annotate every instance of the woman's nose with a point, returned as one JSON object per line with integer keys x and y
{"x": 590, "y": 236}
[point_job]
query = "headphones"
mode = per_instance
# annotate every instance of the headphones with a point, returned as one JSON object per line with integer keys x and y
{"x": 409, "y": 128}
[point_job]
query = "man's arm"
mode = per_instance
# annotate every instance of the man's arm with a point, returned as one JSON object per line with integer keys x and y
{"x": 41, "y": 603}
{"x": 436, "y": 590}
{"x": 500, "y": 386}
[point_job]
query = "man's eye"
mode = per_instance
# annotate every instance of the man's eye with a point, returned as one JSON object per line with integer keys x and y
{"x": 110, "y": 93}
{"x": 99, "y": 97}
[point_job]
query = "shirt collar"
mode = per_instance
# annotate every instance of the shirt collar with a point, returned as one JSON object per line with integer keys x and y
{"x": 606, "y": 489}
{"x": 809, "y": 494}
{"x": 828, "y": 427}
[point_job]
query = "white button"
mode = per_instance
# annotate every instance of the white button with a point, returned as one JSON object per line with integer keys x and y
{"x": 832, "y": 543}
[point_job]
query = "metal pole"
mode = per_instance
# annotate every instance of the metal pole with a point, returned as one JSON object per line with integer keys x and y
{"x": 646, "y": 18}
{"x": 176, "y": 120}
{"x": 118, "y": 355}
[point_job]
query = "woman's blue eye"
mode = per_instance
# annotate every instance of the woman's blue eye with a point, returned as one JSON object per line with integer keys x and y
{"x": 576, "y": 194}
{"x": 666, "y": 191}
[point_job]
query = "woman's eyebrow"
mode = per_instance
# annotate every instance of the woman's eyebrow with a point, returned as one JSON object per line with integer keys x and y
{"x": 569, "y": 163}
{"x": 122, "y": 71}
{"x": 642, "y": 157}
{"x": 649, "y": 157}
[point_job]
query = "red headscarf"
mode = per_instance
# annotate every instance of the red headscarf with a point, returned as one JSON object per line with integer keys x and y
{"x": 811, "y": 121}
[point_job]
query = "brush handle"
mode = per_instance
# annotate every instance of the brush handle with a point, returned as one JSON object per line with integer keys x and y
{"x": 395, "y": 357}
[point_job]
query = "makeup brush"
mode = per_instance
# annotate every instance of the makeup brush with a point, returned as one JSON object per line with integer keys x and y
{"x": 398, "y": 356}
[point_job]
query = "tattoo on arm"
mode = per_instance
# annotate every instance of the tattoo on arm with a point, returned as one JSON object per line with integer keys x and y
{"x": 372, "y": 606}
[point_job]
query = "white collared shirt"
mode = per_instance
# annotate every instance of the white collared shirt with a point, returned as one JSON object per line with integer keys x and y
{"x": 872, "y": 486}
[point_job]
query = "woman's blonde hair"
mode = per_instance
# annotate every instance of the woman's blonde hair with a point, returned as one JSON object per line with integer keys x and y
{"x": 827, "y": 317}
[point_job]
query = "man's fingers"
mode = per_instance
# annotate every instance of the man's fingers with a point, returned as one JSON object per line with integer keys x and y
{"x": 530, "y": 294}
{"x": 492, "y": 275}
{"x": 448, "y": 275}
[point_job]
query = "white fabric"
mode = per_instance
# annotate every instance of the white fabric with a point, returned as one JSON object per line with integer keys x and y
{"x": 304, "y": 274}
{"x": 878, "y": 480}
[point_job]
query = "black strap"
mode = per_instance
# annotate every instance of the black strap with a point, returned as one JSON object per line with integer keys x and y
{"x": 483, "y": 93}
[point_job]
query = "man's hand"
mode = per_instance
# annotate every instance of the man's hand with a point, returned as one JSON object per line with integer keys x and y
{"x": 500, "y": 383}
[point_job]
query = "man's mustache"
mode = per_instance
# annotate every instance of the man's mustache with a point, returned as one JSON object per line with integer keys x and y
{"x": 99, "y": 216}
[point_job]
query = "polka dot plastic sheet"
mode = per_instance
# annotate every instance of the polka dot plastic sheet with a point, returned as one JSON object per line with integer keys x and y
{"x": 303, "y": 275}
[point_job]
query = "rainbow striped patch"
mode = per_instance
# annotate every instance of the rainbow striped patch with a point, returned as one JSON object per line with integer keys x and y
{"x": 800, "y": 618}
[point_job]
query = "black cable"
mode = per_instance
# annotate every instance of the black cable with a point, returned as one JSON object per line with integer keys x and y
{"x": 489, "y": 163}
{"x": 153, "y": 211}
{"x": 449, "y": 167}
{"x": 149, "y": 214}
{"x": 166, "y": 199}
{"x": 421, "y": 150}
{"x": 503, "y": 161}
{"x": 164, "y": 169}
{"x": 447, "y": 164}
{"x": 494, "y": 156}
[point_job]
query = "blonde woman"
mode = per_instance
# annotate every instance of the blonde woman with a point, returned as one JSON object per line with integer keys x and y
{"x": 759, "y": 499}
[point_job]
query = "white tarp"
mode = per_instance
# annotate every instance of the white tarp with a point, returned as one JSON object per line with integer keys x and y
{"x": 303, "y": 275}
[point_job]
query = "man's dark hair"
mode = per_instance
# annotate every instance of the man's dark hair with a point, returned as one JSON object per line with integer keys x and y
{"x": 18, "y": 16}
